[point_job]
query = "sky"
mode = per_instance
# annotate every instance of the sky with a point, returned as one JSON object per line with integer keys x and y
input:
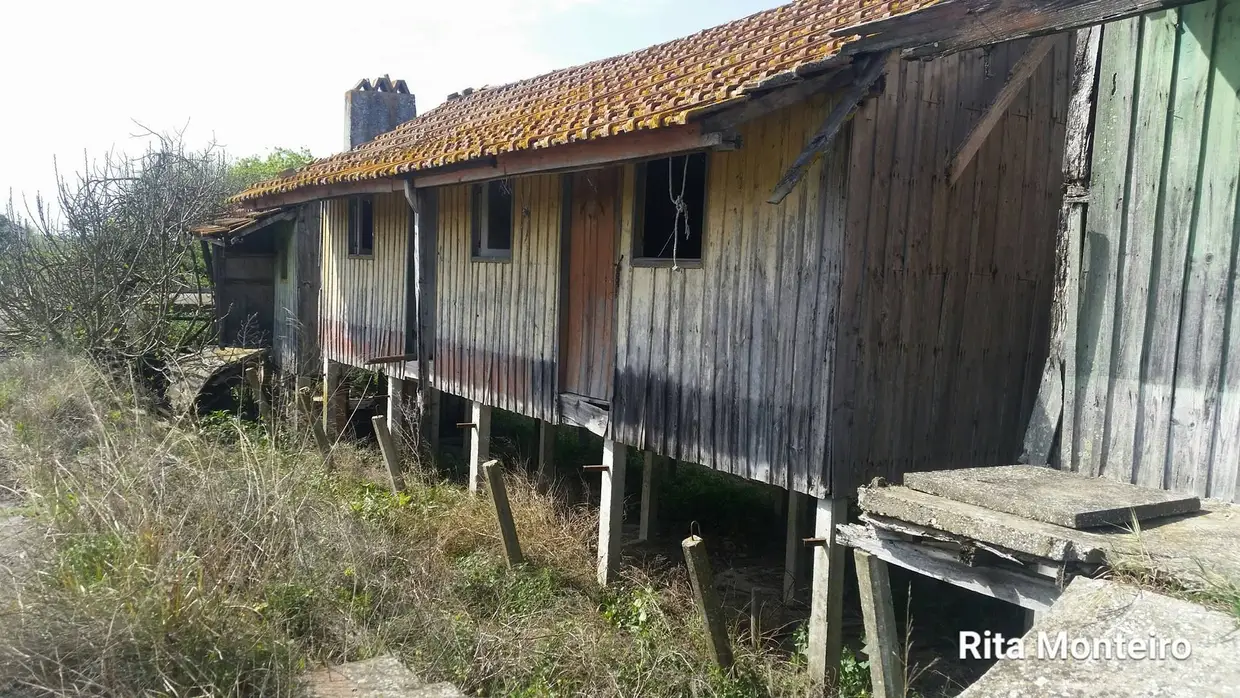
{"x": 79, "y": 77}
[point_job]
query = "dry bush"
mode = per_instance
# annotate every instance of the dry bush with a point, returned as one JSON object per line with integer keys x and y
{"x": 188, "y": 560}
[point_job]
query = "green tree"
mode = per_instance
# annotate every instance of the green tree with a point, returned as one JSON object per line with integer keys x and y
{"x": 251, "y": 170}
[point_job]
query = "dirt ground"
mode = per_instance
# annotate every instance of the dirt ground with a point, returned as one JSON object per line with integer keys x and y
{"x": 14, "y": 542}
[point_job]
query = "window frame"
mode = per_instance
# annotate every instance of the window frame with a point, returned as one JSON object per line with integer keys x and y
{"x": 639, "y": 216}
{"x": 480, "y": 249}
{"x": 355, "y": 232}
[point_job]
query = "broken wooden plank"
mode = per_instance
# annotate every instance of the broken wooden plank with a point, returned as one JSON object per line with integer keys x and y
{"x": 831, "y": 127}
{"x": 1025, "y": 590}
{"x": 707, "y": 600}
{"x": 1019, "y": 76}
{"x": 503, "y": 513}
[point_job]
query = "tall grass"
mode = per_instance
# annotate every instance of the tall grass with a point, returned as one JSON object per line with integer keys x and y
{"x": 184, "y": 560}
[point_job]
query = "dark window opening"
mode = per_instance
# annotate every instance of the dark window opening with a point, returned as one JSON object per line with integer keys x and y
{"x": 492, "y": 220}
{"x": 672, "y": 208}
{"x": 361, "y": 226}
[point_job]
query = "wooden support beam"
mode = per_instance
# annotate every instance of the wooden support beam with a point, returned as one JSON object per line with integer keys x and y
{"x": 1029, "y": 591}
{"x": 826, "y": 613}
{"x": 545, "y": 476}
{"x": 882, "y": 638}
{"x": 391, "y": 457}
{"x": 755, "y": 107}
{"x": 503, "y": 513}
{"x": 844, "y": 108}
{"x": 316, "y": 427}
{"x": 303, "y": 394}
{"x": 479, "y": 442}
{"x": 611, "y": 511}
{"x": 651, "y": 477}
{"x": 254, "y": 379}
{"x": 703, "y": 583}
{"x": 793, "y": 546}
{"x": 601, "y": 468}
{"x": 1018, "y": 77}
{"x": 398, "y": 359}
{"x": 430, "y": 419}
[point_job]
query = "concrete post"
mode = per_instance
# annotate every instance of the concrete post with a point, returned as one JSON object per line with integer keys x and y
{"x": 611, "y": 511}
{"x": 479, "y": 442}
{"x": 335, "y": 401}
{"x": 826, "y": 612}
{"x": 397, "y": 413}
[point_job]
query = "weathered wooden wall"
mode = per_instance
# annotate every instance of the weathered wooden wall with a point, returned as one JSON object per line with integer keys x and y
{"x": 295, "y": 315}
{"x": 944, "y": 309}
{"x": 496, "y": 322}
{"x": 244, "y": 288}
{"x": 362, "y": 313}
{"x": 728, "y": 364}
{"x": 1157, "y": 376}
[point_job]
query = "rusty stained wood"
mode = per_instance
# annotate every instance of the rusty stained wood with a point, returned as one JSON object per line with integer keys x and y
{"x": 496, "y": 322}
{"x": 362, "y": 311}
{"x": 588, "y": 341}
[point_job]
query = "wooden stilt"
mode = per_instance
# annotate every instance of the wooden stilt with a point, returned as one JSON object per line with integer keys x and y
{"x": 793, "y": 546}
{"x": 431, "y": 417}
{"x": 503, "y": 512}
{"x": 254, "y": 379}
{"x": 651, "y": 477}
{"x": 391, "y": 456}
{"x": 303, "y": 404}
{"x": 611, "y": 511}
{"x": 707, "y": 600}
{"x": 335, "y": 401}
{"x": 479, "y": 442}
{"x": 882, "y": 640}
{"x": 827, "y": 593}
{"x": 546, "y": 455}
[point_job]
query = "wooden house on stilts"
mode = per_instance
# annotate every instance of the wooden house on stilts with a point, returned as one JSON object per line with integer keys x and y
{"x": 753, "y": 248}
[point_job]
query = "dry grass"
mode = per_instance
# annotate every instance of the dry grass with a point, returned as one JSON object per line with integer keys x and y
{"x": 188, "y": 561}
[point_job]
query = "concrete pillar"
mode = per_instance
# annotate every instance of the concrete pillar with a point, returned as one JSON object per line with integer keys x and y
{"x": 335, "y": 401}
{"x": 302, "y": 407}
{"x": 611, "y": 511}
{"x": 546, "y": 455}
{"x": 793, "y": 544}
{"x": 827, "y": 593}
{"x": 652, "y": 476}
{"x": 399, "y": 393}
{"x": 479, "y": 442}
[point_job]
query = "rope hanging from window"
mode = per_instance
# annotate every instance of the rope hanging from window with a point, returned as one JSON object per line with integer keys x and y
{"x": 682, "y": 210}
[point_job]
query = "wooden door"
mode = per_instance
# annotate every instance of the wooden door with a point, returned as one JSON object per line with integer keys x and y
{"x": 588, "y": 334}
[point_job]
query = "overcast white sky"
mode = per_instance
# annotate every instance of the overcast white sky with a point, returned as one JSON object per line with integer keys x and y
{"x": 258, "y": 74}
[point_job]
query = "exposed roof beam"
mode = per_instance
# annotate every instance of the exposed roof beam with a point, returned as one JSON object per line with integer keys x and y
{"x": 957, "y": 25}
{"x": 1033, "y": 57}
{"x": 328, "y": 191}
{"x": 848, "y": 103}
{"x": 776, "y": 99}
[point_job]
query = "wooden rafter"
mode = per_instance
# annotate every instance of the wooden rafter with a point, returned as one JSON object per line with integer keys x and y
{"x": 1020, "y": 74}
{"x": 848, "y": 103}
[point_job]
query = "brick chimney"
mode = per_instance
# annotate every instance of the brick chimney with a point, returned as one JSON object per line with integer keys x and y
{"x": 372, "y": 108}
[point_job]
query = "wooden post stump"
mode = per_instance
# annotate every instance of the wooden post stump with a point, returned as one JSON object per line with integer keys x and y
{"x": 882, "y": 640}
{"x": 503, "y": 513}
{"x": 707, "y": 600}
{"x": 391, "y": 456}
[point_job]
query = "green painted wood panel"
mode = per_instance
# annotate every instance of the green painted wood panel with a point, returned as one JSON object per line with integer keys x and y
{"x": 1157, "y": 385}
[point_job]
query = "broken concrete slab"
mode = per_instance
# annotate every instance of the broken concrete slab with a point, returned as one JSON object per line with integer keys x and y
{"x": 1015, "y": 533}
{"x": 1052, "y": 496}
{"x": 1106, "y": 615}
{"x": 1196, "y": 551}
{"x": 380, "y": 677}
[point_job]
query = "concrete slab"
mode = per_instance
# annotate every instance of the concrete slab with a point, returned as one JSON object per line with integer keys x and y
{"x": 1052, "y": 496}
{"x": 1097, "y": 610}
{"x": 381, "y": 677}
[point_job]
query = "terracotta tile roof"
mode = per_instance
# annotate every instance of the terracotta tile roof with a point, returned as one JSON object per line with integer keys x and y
{"x": 653, "y": 87}
{"x": 234, "y": 221}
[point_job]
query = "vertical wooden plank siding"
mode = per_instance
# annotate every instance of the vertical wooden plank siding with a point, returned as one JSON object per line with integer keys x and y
{"x": 946, "y": 289}
{"x": 286, "y": 330}
{"x": 1158, "y": 376}
{"x": 362, "y": 308}
{"x": 722, "y": 364}
{"x": 588, "y": 339}
{"x": 496, "y": 322}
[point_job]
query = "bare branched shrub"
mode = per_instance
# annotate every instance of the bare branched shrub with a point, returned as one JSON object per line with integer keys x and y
{"x": 110, "y": 267}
